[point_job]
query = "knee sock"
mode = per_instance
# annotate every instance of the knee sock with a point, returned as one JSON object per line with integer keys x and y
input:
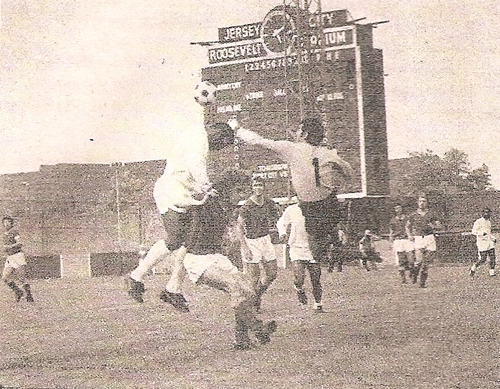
{"x": 174, "y": 284}
{"x": 154, "y": 255}
{"x": 13, "y": 286}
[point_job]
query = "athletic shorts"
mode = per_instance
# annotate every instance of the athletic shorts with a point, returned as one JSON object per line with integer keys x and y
{"x": 427, "y": 242}
{"x": 262, "y": 250}
{"x": 177, "y": 226}
{"x": 321, "y": 217}
{"x": 403, "y": 246}
{"x": 16, "y": 260}
{"x": 196, "y": 265}
{"x": 301, "y": 254}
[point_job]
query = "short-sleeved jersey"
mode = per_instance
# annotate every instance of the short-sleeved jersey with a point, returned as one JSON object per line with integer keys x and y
{"x": 398, "y": 227}
{"x": 258, "y": 219}
{"x": 484, "y": 239}
{"x": 420, "y": 225}
{"x": 11, "y": 237}
{"x": 292, "y": 218}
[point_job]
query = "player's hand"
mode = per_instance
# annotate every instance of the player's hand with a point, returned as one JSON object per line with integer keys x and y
{"x": 207, "y": 187}
{"x": 213, "y": 193}
{"x": 246, "y": 253}
{"x": 233, "y": 123}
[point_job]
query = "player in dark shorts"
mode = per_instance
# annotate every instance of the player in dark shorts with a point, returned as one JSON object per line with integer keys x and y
{"x": 206, "y": 263}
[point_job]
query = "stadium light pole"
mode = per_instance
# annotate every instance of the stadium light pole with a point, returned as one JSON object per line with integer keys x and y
{"x": 118, "y": 210}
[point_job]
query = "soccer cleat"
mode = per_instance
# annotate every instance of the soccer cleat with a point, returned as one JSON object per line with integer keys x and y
{"x": 135, "y": 289}
{"x": 492, "y": 273}
{"x": 472, "y": 272}
{"x": 264, "y": 336}
{"x": 318, "y": 309}
{"x": 177, "y": 300}
{"x": 301, "y": 295}
{"x": 241, "y": 346}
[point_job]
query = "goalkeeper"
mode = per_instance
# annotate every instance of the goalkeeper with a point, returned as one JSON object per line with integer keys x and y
{"x": 305, "y": 157}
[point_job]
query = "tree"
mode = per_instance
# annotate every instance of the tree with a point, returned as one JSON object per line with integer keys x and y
{"x": 428, "y": 172}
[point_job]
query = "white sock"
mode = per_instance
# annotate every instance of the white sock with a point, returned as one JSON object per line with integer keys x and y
{"x": 154, "y": 255}
{"x": 174, "y": 284}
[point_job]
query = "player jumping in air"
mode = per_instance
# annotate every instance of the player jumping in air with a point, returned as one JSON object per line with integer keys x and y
{"x": 183, "y": 185}
{"x": 305, "y": 158}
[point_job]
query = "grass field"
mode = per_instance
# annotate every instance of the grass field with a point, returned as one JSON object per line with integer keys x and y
{"x": 376, "y": 334}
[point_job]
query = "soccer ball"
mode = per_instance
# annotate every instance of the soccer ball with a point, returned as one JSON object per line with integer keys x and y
{"x": 205, "y": 93}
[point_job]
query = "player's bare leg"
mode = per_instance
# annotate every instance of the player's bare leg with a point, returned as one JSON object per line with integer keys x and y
{"x": 7, "y": 277}
{"x": 402, "y": 266}
{"x": 299, "y": 273}
{"x": 317, "y": 289}
{"x": 242, "y": 294}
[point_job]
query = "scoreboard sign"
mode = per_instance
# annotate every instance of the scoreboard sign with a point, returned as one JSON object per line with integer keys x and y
{"x": 273, "y": 73}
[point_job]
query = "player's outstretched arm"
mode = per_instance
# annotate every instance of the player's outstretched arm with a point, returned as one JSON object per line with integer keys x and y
{"x": 253, "y": 138}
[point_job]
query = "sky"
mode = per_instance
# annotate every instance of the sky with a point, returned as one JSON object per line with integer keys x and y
{"x": 102, "y": 81}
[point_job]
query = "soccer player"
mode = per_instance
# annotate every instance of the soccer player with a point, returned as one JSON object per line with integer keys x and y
{"x": 291, "y": 224}
{"x": 420, "y": 229}
{"x": 485, "y": 242}
{"x": 183, "y": 185}
{"x": 305, "y": 158}
{"x": 401, "y": 245}
{"x": 206, "y": 265}
{"x": 15, "y": 263}
{"x": 339, "y": 249}
{"x": 367, "y": 251}
{"x": 257, "y": 215}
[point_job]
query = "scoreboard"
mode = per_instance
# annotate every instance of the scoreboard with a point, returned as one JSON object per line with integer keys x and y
{"x": 272, "y": 74}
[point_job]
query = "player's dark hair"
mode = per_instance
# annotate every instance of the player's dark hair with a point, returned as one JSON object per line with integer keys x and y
{"x": 220, "y": 135}
{"x": 257, "y": 180}
{"x": 314, "y": 129}
{"x": 230, "y": 179}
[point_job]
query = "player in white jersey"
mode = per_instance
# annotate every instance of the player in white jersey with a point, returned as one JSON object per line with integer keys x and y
{"x": 485, "y": 242}
{"x": 183, "y": 184}
{"x": 292, "y": 224}
{"x": 306, "y": 158}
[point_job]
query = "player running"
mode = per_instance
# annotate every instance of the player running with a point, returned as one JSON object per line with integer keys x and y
{"x": 15, "y": 264}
